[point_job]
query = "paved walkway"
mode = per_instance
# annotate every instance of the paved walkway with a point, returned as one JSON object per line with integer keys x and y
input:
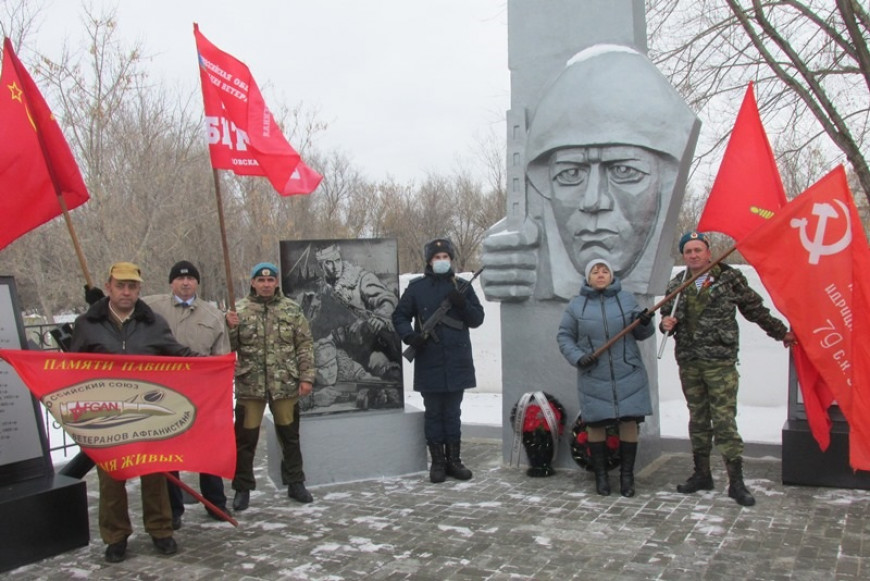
{"x": 504, "y": 525}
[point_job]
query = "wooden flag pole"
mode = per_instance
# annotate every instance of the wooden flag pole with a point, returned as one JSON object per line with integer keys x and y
{"x": 75, "y": 238}
{"x": 231, "y": 300}
{"x": 659, "y": 304}
{"x": 215, "y": 510}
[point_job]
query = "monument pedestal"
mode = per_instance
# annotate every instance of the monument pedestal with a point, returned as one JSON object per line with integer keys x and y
{"x": 803, "y": 463}
{"x": 355, "y": 446}
{"x": 40, "y": 518}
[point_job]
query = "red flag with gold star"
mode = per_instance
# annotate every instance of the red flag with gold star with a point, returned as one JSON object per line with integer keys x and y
{"x": 36, "y": 164}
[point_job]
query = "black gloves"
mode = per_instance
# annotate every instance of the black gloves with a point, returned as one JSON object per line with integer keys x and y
{"x": 93, "y": 294}
{"x": 457, "y": 298}
{"x": 645, "y": 317}
{"x": 587, "y": 361}
{"x": 416, "y": 340}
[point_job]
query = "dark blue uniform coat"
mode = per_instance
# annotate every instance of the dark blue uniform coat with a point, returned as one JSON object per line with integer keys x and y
{"x": 446, "y": 364}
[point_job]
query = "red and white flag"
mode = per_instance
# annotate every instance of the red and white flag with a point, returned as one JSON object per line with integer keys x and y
{"x": 813, "y": 258}
{"x": 242, "y": 134}
{"x": 748, "y": 189}
{"x": 135, "y": 414}
{"x": 746, "y": 194}
{"x": 36, "y": 164}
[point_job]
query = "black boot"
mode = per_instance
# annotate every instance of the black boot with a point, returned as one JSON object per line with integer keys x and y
{"x": 455, "y": 468}
{"x": 598, "y": 451}
{"x": 701, "y": 478}
{"x": 438, "y": 471}
{"x": 627, "y": 454}
{"x": 736, "y": 488}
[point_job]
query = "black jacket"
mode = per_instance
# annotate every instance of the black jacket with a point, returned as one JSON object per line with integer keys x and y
{"x": 144, "y": 333}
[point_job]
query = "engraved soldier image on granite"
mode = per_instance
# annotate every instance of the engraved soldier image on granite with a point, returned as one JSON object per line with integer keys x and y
{"x": 348, "y": 289}
{"x": 607, "y": 151}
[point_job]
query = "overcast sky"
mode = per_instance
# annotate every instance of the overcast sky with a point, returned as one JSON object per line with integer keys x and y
{"x": 407, "y": 86}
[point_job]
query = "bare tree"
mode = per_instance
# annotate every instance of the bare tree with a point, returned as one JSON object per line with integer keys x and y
{"x": 810, "y": 61}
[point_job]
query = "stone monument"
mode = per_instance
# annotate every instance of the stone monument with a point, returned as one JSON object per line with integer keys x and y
{"x": 599, "y": 146}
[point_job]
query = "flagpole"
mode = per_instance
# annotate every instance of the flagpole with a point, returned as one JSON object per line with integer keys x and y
{"x": 57, "y": 191}
{"x": 215, "y": 510}
{"x": 75, "y": 239}
{"x": 659, "y": 304}
{"x": 231, "y": 301}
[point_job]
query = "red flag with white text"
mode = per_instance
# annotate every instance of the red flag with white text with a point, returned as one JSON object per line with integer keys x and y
{"x": 135, "y": 414}
{"x": 748, "y": 189}
{"x": 36, "y": 164}
{"x": 813, "y": 258}
{"x": 242, "y": 134}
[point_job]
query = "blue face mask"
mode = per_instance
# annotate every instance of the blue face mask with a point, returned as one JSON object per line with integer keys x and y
{"x": 441, "y": 266}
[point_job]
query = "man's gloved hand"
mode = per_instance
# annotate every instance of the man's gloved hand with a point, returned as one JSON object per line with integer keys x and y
{"x": 416, "y": 340}
{"x": 645, "y": 317}
{"x": 587, "y": 361}
{"x": 456, "y": 298}
{"x": 93, "y": 294}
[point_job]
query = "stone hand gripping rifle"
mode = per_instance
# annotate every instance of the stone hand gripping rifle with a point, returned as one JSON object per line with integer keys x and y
{"x": 438, "y": 317}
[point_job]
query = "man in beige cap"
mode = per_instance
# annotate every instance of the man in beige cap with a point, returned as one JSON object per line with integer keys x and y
{"x": 122, "y": 324}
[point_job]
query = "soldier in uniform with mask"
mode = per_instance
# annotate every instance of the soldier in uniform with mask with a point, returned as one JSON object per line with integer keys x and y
{"x": 443, "y": 367}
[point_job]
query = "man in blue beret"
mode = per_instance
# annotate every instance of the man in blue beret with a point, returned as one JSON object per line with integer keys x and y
{"x": 275, "y": 367}
{"x": 704, "y": 325}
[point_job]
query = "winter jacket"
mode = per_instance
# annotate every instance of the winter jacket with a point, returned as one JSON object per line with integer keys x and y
{"x": 201, "y": 326}
{"x": 444, "y": 363}
{"x": 616, "y": 386}
{"x": 707, "y": 320}
{"x": 274, "y": 346}
{"x": 143, "y": 333}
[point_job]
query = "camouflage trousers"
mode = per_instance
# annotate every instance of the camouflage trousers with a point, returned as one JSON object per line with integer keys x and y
{"x": 710, "y": 389}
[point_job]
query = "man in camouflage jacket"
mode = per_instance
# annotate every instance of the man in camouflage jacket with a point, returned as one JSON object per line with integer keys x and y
{"x": 275, "y": 366}
{"x": 704, "y": 325}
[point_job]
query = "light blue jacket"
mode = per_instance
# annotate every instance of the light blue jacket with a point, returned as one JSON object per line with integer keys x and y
{"x": 617, "y": 385}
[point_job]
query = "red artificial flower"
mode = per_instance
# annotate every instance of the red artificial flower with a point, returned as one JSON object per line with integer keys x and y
{"x": 612, "y": 442}
{"x": 535, "y": 420}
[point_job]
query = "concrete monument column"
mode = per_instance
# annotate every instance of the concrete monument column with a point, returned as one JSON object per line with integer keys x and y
{"x": 599, "y": 146}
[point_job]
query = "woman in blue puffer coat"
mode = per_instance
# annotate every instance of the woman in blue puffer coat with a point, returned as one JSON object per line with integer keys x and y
{"x": 613, "y": 388}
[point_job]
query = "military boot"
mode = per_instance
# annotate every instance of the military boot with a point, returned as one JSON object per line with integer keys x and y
{"x": 598, "y": 451}
{"x": 736, "y": 488}
{"x": 701, "y": 478}
{"x": 438, "y": 471}
{"x": 455, "y": 468}
{"x": 627, "y": 454}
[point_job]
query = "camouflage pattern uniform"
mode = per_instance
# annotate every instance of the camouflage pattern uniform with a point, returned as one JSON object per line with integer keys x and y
{"x": 706, "y": 344}
{"x": 275, "y": 353}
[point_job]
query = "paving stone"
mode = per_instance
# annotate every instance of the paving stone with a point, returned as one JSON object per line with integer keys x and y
{"x": 503, "y": 526}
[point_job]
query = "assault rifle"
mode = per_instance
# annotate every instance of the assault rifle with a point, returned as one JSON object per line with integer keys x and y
{"x": 438, "y": 317}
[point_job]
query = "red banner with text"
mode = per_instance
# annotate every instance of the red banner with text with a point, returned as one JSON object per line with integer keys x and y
{"x": 242, "y": 134}
{"x": 136, "y": 415}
